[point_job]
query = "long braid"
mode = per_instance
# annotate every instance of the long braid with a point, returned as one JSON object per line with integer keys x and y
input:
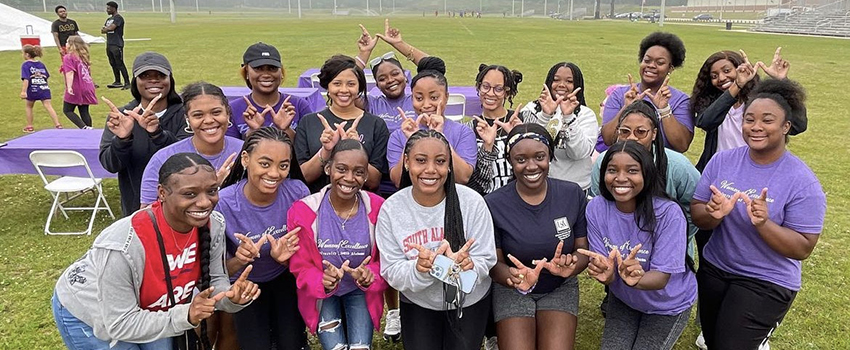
{"x": 205, "y": 239}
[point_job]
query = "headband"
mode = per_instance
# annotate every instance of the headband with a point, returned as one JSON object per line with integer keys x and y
{"x": 527, "y": 135}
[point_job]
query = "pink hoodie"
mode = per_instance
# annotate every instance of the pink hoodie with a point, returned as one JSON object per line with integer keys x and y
{"x": 307, "y": 266}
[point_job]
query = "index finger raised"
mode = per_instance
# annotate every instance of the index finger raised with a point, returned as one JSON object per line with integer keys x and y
{"x": 575, "y": 92}
{"x": 401, "y": 113}
{"x": 353, "y": 126}
{"x": 632, "y": 82}
{"x": 110, "y": 104}
{"x": 467, "y": 245}
{"x": 744, "y": 56}
{"x": 558, "y": 249}
{"x": 149, "y": 108}
{"x": 324, "y": 122}
{"x": 244, "y": 276}
{"x": 634, "y": 252}
{"x": 363, "y": 29}
{"x": 516, "y": 262}
{"x": 590, "y": 254}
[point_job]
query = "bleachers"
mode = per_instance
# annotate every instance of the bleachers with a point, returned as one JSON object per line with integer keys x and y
{"x": 832, "y": 20}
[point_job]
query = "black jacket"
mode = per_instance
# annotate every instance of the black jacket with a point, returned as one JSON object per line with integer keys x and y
{"x": 710, "y": 120}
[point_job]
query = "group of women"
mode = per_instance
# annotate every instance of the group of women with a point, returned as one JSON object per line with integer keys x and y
{"x": 481, "y": 227}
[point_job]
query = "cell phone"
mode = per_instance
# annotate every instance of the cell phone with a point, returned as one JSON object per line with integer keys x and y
{"x": 442, "y": 270}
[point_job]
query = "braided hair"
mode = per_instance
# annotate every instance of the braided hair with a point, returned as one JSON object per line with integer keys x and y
{"x": 646, "y": 109}
{"x": 453, "y": 223}
{"x": 270, "y": 133}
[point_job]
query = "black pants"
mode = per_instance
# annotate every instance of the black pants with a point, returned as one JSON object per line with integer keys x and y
{"x": 272, "y": 318}
{"x": 82, "y": 120}
{"x": 425, "y": 329}
{"x": 116, "y": 60}
{"x": 739, "y": 312}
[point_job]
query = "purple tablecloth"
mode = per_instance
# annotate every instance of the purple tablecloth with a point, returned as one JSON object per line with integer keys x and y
{"x": 313, "y": 96}
{"x": 473, "y": 102}
{"x": 14, "y": 157}
{"x": 304, "y": 79}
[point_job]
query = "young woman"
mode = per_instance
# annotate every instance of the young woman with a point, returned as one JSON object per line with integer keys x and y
{"x": 562, "y": 108}
{"x": 638, "y": 249}
{"x": 318, "y": 132}
{"x": 430, "y": 93}
{"x": 264, "y": 183}
{"x": 337, "y": 267}
{"x": 539, "y": 223}
{"x": 263, "y": 73}
{"x": 79, "y": 87}
{"x": 496, "y": 85}
{"x": 118, "y": 295}
{"x": 427, "y": 217}
{"x": 34, "y": 85}
{"x": 132, "y": 134}
{"x": 766, "y": 208}
{"x": 207, "y": 114}
{"x": 659, "y": 54}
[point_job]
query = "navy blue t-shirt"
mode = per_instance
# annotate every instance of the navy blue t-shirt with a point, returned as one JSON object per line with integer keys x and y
{"x": 532, "y": 232}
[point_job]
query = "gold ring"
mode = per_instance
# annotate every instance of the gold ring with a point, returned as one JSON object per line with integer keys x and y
{"x": 521, "y": 276}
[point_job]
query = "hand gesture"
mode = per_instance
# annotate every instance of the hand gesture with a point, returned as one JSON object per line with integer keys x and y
{"x": 630, "y": 270}
{"x": 569, "y": 102}
{"x": 661, "y": 98}
{"x": 512, "y": 122}
{"x": 362, "y": 275}
{"x": 242, "y": 291}
{"x": 461, "y": 257}
{"x": 746, "y": 71}
{"x": 248, "y": 250}
{"x": 523, "y": 278}
{"x": 366, "y": 43}
{"x": 547, "y": 104}
{"x": 332, "y": 275}
{"x": 119, "y": 124}
{"x": 252, "y": 116}
{"x": 224, "y": 171}
{"x": 203, "y": 305}
{"x": 561, "y": 265}
{"x": 330, "y": 136}
{"x": 778, "y": 68}
{"x": 285, "y": 115}
{"x": 408, "y": 125}
{"x": 757, "y": 208}
{"x": 486, "y": 132}
{"x": 425, "y": 260}
{"x": 719, "y": 206}
{"x": 391, "y": 35}
{"x": 633, "y": 94}
{"x": 148, "y": 119}
{"x": 284, "y": 247}
{"x": 351, "y": 132}
{"x": 436, "y": 121}
{"x": 601, "y": 267}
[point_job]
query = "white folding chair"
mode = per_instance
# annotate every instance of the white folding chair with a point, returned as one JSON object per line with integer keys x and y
{"x": 314, "y": 80}
{"x": 69, "y": 185}
{"x": 456, "y": 100}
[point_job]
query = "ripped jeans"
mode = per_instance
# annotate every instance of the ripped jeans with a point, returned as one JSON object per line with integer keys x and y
{"x": 355, "y": 332}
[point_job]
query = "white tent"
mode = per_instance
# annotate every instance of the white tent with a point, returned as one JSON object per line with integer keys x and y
{"x": 13, "y": 23}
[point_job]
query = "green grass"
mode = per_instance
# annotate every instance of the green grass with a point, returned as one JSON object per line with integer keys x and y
{"x": 209, "y": 47}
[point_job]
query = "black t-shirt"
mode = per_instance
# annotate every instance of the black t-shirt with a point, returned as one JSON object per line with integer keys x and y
{"x": 115, "y": 37}
{"x": 65, "y": 29}
{"x": 373, "y": 135}
{"x": 532, "y": 232}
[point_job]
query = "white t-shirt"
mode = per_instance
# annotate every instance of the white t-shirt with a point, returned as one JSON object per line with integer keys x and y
{"x": 729, "y": 134}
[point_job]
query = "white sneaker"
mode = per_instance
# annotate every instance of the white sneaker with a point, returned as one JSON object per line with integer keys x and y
{"x": 392, "y": 327}
{"x": 700, "y": 343}
{"x": 765, "y": 346}
{"x": 491, "y": 343}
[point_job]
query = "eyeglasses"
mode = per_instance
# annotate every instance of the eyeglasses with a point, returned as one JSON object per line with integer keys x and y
{"x": 377, "y": 60}
{"x": 640, "y": 133}
{"x": 485, "y": 88}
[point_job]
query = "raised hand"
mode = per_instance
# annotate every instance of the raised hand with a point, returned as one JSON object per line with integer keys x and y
{"x": 242, "y": 291}
{"x": 408, "y": 125}
{"x": 391, "y": 35}
{"x": 562, "y": 265}
{"x": 486, "y": 132}
{"x": 629, "y": 269}
{"x": 203, "y": 305}
{"x": 746, "y": 71}
{"x": 601, "y": 267}
{"x": 661, "y": 98}
{"x": 332, "y": 275}
{"x": 224, "y": 171}
{"x": 118, "y": 123}
{"x": 757, "y": 208}
{"x": 248, "y": 250}
{"x": 351, "y": 132}
{"x": 632, "y": 94}
{"x": 547, "y": 104}
{"x": 148, "y": 119}
{"x": 254, "y": 118}
{"x": 284, "y": 247}
{"x": 719, "y": 206}
{"x": 569, "y": 102}
{"x": 425, "y": 259}
{"x": 778, "y": 68}
{"x": 436, "y": 121}
{"x": 461, "y": 257}
{"x": 361, "y": 274}
{"x": 366, "y": 42}
{"x": 285, "y": 115}
{"x": 512, "y": 122}
{"x": 330, "y": 136}
{"x": 523, "y": 278}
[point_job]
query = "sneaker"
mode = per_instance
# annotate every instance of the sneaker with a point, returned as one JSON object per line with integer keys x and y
{"x": 87, "y": 128}
{"x": 700, "y": 343}
{"x": 392, "y": 328}
{"x": 116, "y": 85}
{"x": 126, "y": 87}
{"x": 765, "y": 346}
{"x": 491, "y": 343}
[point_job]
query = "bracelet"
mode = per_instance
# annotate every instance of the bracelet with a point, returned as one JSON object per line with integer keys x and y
{"x": 525, "y": 292}
{"x": 739, "y": 86}
{"x": 665, "y": 116}
{"x": 665, "y": 110}
{"x": 410, "y": 54}
{"x": 360, "y": 60}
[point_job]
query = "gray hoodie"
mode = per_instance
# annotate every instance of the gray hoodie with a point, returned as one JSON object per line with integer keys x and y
{"x": 102, "y": 288}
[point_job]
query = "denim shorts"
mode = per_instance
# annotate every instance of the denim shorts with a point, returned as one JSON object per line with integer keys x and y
{"x": 507, "y": 302}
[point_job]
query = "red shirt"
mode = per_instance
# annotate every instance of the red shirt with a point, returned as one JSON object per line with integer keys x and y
{"x": 181, "y": 250}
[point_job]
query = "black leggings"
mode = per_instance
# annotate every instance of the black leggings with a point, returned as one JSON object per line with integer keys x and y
{"x": 426, "y": 329}
{"x": 272, "y": 318}
{"x": 739, "y": 312}
{"x": 68, "y": 109}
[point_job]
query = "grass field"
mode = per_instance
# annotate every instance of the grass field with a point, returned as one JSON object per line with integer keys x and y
{"x": 209, "y": 47}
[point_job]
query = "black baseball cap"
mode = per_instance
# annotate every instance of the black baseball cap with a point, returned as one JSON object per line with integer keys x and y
{"x": 151, "y": 61}
{"x": 261, "y": 54}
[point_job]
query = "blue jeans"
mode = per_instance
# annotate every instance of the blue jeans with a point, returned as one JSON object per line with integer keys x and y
{"x": 79, "y": 336}
{"x": 358, "y": 324}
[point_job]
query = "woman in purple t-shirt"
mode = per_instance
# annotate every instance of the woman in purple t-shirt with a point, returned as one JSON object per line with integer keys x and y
{"x": 337, "y": 267}
{"x": 766, "y": 208}
{"x": 638, "y": 243}
{"x": 79, "y": 87}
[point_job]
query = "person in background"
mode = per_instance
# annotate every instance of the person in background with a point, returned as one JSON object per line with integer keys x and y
{"x": 34, "y": 86}
{"x": 79, "y": 87}
{"x": 114, "y": 30}
{"x": 62, "y": 28}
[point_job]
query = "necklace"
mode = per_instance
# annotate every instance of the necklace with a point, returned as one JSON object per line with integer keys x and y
{"x": 351, "y": 210}
{"x": 174, "y": 237}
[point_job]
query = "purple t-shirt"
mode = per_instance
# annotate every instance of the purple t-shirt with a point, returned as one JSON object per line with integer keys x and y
{"x": 35, "y": 73}
{"x": 150, "y": 178}
{"x": 795, "y": 200}
{"x": 336, "y": 245}
{"x": 254, "y": 221}
{"x": 680, "y": 105}
{"x": 608, "y": 228}
{"x": 387, "y": 109}
{"x": 238, "y": 106}
{"x": 82, "y": 84}
{"x": 460, "y": 137}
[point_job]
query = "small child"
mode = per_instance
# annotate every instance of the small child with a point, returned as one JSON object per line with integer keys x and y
{"x": 79, "y": 87}
{"x": 34, "y": 86}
